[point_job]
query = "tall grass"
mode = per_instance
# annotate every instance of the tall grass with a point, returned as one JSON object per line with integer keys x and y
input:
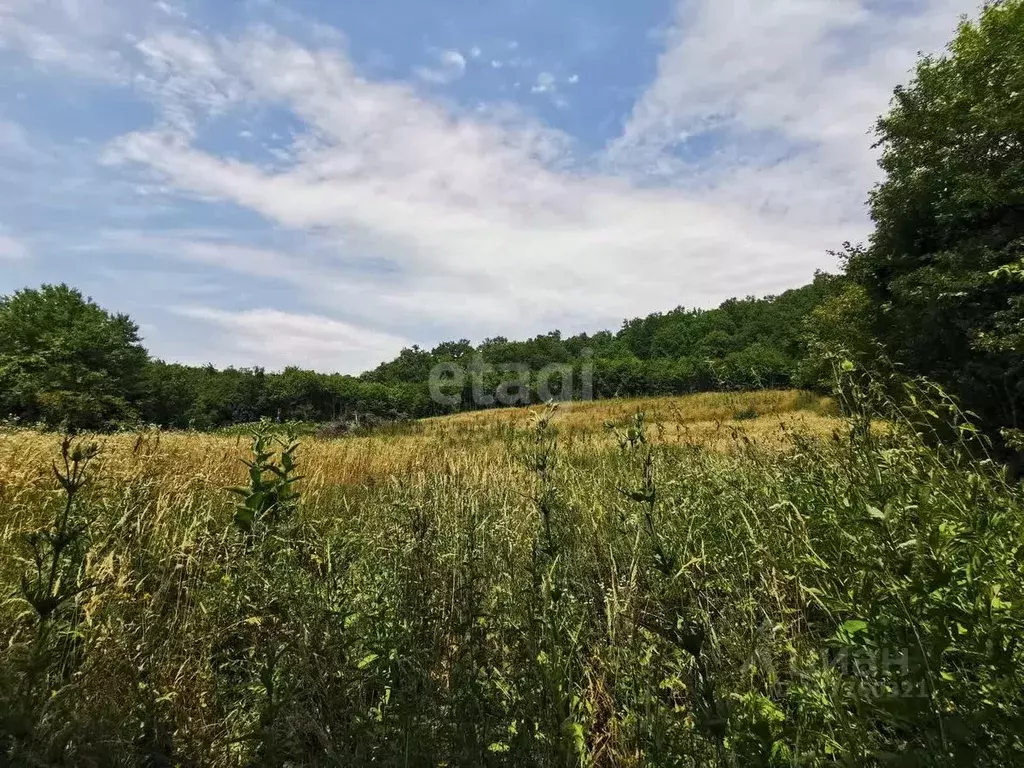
{"x": 788, "y": 589}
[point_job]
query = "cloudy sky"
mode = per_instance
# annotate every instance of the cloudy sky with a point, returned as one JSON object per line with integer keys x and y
{"x": 319, "y": 183}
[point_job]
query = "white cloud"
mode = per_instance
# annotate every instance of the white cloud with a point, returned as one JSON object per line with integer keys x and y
{"x": 260, "y": 262}
{"x": 12, "y": 249}
{"x": 184, "y": 73}
{"x": 450, "y": 67}
{"x": 483, "y": 232}
{"x": 254, "y": 337}
{"x": 15, "y": 142}
{"x": 408, "y": 217}
{"x": 791, "y": 88}
{"x": 80, "y": 36}
{"x": 546, "y": 83}
{"x": 171, "y": 10}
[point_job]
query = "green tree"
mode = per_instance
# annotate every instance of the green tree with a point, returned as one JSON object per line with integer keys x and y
{"x": 841, "y": 325}
{"x": 63, "y": 359}
{"x": 170, "y": 393}
{"x": 941, "y": 270}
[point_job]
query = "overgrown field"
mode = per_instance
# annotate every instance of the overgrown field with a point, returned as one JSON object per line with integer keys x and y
{"x": 718, "y": 580}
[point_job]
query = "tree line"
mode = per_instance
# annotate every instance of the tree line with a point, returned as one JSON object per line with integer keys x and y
{"x": 65, "y": 360}
{"x": 937, "y": 291}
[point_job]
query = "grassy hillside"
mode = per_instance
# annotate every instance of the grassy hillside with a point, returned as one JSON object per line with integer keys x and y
{"x": 726, "y": 579}
{"x": 430, "y": 445}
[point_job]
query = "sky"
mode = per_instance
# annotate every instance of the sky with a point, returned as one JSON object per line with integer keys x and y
{"x": 321, "y": 183}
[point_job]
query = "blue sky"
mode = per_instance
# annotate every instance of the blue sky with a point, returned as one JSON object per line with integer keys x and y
{"x": 320, "y": 183}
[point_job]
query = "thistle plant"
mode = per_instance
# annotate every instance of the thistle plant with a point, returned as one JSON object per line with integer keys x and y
{"x": 58, "y": 551}
{"x": 633, "y": 440}
{"x": 251, "y": 656}
{"x": 541, "y": 462}
{"x": 270, "y": 496}
{"x": 53, "y": 578}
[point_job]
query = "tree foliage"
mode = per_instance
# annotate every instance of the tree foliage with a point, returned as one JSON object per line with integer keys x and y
{"x": 942, "y": 269}
{"x": 64, "y": 359}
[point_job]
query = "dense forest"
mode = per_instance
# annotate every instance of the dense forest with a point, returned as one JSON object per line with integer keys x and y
{"x": 66, "y": 359}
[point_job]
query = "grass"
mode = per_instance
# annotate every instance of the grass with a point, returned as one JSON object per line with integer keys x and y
{"x": 213, "y": 461}
{"x": 724, "y": 580}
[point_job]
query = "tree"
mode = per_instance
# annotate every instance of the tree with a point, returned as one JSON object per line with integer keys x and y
{"x": 170, "y": 393}
{"x": 941, "y": 268}
{"x": 840, "y": 324}
{"x": 63, "y": 359}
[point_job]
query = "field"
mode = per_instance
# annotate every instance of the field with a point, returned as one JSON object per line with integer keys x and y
{"x": 719, "y": 579}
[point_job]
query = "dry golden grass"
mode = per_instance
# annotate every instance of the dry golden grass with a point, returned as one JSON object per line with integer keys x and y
{"x": 474, "y": 443}
{"x": 421, "y": 555}
{"x": 688, "y": 409}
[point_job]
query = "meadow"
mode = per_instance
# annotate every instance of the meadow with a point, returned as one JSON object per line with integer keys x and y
{"x": 769, "y": 578}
